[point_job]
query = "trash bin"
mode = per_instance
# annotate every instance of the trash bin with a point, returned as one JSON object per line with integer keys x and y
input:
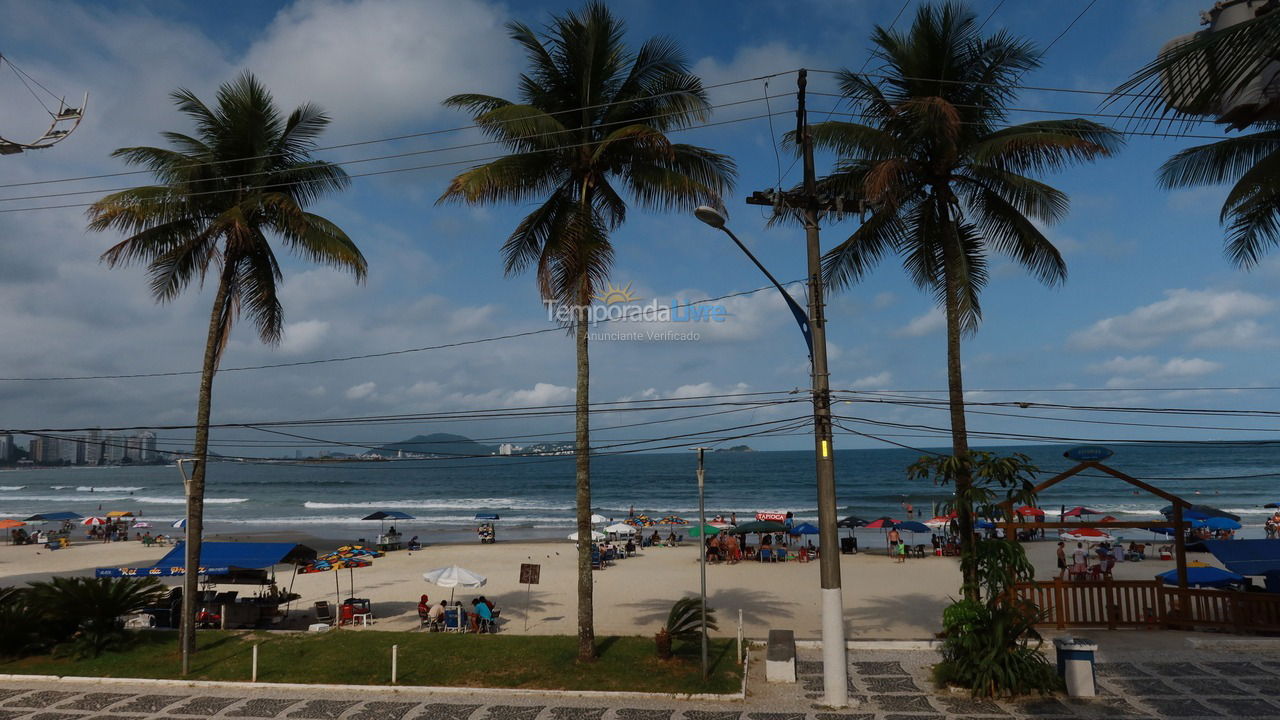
{"x": 1075, "y": 665}
{"x": 848, "y": 545}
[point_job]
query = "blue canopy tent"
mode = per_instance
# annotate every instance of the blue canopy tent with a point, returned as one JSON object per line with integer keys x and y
{"x": 1221, "y": 523}
{"x": 1203, "y": 577}
{"x": 54, "y": 516}
{"x": 1250, "y": 557}
{"x": 804, "y": 529}
{"x": 219, "y": 558}
{"x": 1199, "y": 512}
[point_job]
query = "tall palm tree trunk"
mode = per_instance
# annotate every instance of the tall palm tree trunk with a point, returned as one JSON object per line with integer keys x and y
{"x": 195, "y": 487}
{"x": 955, "y": 401}
{"x": 582, "y": 450}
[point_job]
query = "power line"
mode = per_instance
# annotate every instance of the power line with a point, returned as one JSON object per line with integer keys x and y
{"x": 366, "y": 356}
{"x": 1067, "y": 29}
{"x": 407, "y": 136}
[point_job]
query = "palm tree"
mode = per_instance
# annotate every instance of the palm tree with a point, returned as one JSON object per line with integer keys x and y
{"x": 245, "y": 177}
{"x": 589, "y": 127}
{"x": 948, "y": 180}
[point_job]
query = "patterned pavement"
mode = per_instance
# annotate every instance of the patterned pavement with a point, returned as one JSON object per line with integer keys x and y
{"x": 889, "y": 686}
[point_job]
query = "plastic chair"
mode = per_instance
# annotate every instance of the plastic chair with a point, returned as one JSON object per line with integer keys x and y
{"x": 765, "y": 555}
{"x": 453, "y": 620}
{"x": 346, "y": 614}
{"x": 780, "y": 555}
{"x": 324, "y": 612}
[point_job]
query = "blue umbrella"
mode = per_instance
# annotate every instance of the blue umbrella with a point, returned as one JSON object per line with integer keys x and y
{"x": 1221, "y": 523}
{"x": 804, "y": 529}
{"x": 1202, "y": 577}
{"x": 912, "y": 526}
{"x": 984, "y": 524}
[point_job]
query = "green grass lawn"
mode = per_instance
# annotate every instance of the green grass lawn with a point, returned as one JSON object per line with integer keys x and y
{"x": 364, "y": 658}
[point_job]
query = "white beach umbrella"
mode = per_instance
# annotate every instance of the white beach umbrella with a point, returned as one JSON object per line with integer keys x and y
{"x": 597, "y": 519}
{"x": 595, "y": 535}
{"x": 94, "y": 521}
{"x": 454, "y": 577}
{"x": 621, "y": 529}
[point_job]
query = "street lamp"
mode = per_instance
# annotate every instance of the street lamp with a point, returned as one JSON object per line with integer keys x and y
{"x": 835, "y": 673}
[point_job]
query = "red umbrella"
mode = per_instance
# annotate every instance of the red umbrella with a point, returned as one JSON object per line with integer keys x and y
{"x": 881, "y": 523}
{"x": 1028, "y": 511}
{"x": 1079, "y": 511}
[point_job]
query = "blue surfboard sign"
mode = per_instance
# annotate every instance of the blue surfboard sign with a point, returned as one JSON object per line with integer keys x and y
{"x": 1088, "y": 453}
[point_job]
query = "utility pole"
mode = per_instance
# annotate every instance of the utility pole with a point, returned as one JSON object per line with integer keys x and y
{"x": 835, "y": 673}
{"x": 702, "y": 555}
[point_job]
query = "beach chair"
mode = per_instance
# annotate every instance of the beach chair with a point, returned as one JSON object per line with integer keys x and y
{"x": 765, "y": 555}
{"x": 780, "y": 555}
{"x": 453, "y": 620}
{"x": 597, "y": 562}
{"x": 324, "y": 612}
{"x": 919, "y": 551}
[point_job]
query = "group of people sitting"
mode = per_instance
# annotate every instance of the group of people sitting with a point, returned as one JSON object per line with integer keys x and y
{"x": 443, "y": 617}
{"x": 1105, "y": 557}
{"x": 656, "y": 540}
{"x": 1272, "y": 527}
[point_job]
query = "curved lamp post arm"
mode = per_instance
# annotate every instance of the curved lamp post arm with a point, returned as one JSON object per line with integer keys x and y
{"x": 802, "y": 319}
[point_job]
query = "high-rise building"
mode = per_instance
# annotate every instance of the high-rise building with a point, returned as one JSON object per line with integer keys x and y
{"x": 46, "y": 451}
{"x": 8, "y": 450}
{"x": 93, "y": 447}
{"x": 147, "y": 446}
{"x": 71, "y": 451}
{"x": 113, "y": 448}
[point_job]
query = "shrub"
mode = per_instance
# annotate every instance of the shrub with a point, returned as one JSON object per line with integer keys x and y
{"x": 85, "y": 615}
{"x": 684, "y": 623}
{"x": 22, "y": 630}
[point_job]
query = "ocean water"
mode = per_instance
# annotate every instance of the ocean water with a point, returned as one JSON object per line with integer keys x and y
{"x": 534, "y": 496}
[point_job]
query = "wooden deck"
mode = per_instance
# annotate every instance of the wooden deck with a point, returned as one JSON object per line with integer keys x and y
{"x": 1152, "y": 605}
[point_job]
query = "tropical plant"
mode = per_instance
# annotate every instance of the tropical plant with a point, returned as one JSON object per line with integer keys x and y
{"x": 87, "y": 614}
{"x": 589, "y": 128}
{"x": 947, "y": 179}
{"x": 22, "y": 630}
{"x": 222, "y": 194}
{"x": 684, "y": 624}
{"x": 990, "y": 643}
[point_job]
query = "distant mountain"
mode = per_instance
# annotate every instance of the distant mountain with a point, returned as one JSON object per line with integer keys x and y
{"x": 442, "y": 444}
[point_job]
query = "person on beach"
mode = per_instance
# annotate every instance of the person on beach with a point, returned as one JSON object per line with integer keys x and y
{"x": 901, "y": 551}
{"x": 1062, "y": 560}
{"x": 435, "y": 616}
{"x": 894, "y": 539}
{"x": 1080, "y": 562}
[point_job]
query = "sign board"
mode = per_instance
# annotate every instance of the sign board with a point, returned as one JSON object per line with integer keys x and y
{"x": 774, "y": 516}
{"x": 1088, "y": 453}
{"x": 530, "y": 573}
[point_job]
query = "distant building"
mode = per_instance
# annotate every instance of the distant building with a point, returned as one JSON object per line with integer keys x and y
{"x": 45, "y": 451}
{"x": 113, "y": 448}
{"x": 71, "y": 451}
{"x": 93, "y": 447}
{"x": 8, "y": 451}
{"x": 147, "y": 447}
{"x": 509, "y": 449}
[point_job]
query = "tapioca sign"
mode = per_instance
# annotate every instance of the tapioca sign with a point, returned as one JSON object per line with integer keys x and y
{"x": 1088, "y": 453}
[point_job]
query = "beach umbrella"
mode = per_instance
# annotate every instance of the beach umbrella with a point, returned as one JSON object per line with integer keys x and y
{"x": 597, "y": 519}
{"x": 696, "y": 531}
{"x": 1086, "y": 534}
{"x": 983, "y": 524}
{"x": 454, "y": 577}
{"x": 1221, "y": 523}
{"x": 328, "y": 562}
{"x": 1202, "y": 576}
{"x": 1202, "y": 512}
{"x": 851, "y": 522}
{"x": 620, "y": 529}
{"x": 805, "y": 529}
{"x": 911, "y": 526}
{"x": 673, "y": 520}
{"x": 639, "y": 521}
{"x": 10, "y": 523}
{"x": 595, "y": 535}
{"x": 940, "y": 522}
{"x": 94, "y": 521}
{"x": 143, "y": 525}
{"x": 881, "y": 523}
{"x": 179, "y": 524}
{"x": 119, "y": 514}
{"x": 1080, "y": 511}
{"x": 1028, "y": 511}
{"x": 1272, "y": 505}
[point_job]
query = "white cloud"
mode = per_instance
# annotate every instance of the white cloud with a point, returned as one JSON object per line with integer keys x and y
{"x": 373, "y": 64}
{"x": 878, "y": 381}
{"x": 1130, "y": 371}
{"x": 883, "y": 300}
{"x": 541, "y": 394}
{"x": 304, "y": 336}
{"x": 361, "y": 391}
{"x": 930, "y": 322}
{"x": 1200, "y": 317}
{"x": 748, "y": 62}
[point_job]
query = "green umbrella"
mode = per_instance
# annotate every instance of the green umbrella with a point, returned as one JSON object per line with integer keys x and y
{"x": 759, "y": 526}
{"x": 696, "y": 531}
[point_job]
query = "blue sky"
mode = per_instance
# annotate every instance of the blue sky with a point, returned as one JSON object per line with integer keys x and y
{"x": 1150, "y": 302}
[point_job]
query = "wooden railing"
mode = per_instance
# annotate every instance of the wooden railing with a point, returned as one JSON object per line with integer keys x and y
{"x": 1150, "y": 604}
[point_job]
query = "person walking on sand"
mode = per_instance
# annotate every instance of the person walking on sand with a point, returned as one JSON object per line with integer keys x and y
{"x": 894, "y": 539}
{"x": 1062, "y": 560}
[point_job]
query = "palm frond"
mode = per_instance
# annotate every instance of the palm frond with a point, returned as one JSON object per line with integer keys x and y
{"x": 1046, "y": 146}
{"x": 1218, "y": 162}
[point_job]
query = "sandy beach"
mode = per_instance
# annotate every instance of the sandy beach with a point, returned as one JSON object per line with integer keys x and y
{"x": 883, "y": 599}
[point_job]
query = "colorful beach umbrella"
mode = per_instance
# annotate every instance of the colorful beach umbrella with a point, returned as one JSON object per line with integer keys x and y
{"x": 179, "y": 524}
{"x": 347, "y": 557}
{"x": 911, "y": 526}
{"x": 94, "y": 521}
{"x": 639, "y": 521}
{"x": 10, "y": 523}
{"x": 673, "y": 520}
{"x": 142, "y": 525}
{"x": 940, "y": 521}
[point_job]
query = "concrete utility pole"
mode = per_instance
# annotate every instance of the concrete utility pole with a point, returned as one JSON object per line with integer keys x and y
{"x": 834, "y": 662}
{"x": 702, "y": 554}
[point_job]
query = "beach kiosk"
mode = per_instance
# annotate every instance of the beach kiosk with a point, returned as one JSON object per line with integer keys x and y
{"x": 229, "y": 563}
